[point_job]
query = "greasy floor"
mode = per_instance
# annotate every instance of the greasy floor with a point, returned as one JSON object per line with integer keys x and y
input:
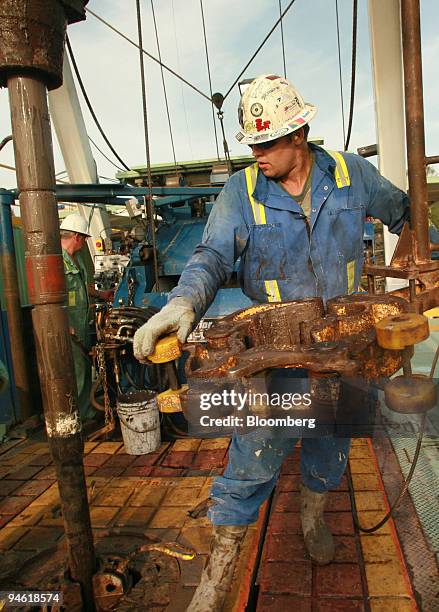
{"x": 153, "y": 494}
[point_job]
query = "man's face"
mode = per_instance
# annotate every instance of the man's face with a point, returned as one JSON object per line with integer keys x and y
{"x": 79, "y": 241}
{"x": 276, "y": 158}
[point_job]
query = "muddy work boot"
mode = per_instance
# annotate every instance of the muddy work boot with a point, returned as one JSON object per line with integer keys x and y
{"x": 217, "y": 575}
{"x": 318, "y": 539}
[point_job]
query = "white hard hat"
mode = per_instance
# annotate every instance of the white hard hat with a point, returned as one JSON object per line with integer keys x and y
{"x": 271, "y": 107}
{"x": 75, "y": 223}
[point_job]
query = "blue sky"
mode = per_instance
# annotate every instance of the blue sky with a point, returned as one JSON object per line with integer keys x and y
{"x": 110, "y": 70}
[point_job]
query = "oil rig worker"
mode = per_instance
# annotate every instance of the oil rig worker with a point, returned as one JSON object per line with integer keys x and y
{"x": 295, "y": 219}
{"x": 74, "y": 233}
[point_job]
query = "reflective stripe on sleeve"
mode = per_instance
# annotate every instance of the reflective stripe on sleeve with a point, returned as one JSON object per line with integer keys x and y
{"x": 251, "y": 174}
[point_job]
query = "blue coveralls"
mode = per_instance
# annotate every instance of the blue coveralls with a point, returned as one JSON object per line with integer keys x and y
{"x": 322, "y": 259}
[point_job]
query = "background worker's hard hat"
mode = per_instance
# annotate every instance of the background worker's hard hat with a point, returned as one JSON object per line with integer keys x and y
{"x": 271, "y": 107}
{"x": 75, "y": 223}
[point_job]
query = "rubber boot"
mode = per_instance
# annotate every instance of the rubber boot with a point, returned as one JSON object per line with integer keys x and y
{"x": 318, "y": 539}
{"x": 217, "y": 575}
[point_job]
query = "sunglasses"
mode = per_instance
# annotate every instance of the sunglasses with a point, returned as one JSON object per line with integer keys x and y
{"x": 265, "y": 145}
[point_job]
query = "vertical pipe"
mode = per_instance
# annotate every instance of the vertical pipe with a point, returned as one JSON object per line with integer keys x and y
{"x": 412, "y": 289}
{"x": 46, "y": 280}
{"x": 13, "y": 306}
{"x": 414, "y": 112}
{"x": 386, "y": 49}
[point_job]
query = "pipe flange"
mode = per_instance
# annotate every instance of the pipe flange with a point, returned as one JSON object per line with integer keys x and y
{"x": 401, "y": 331}
{"x": 413, "y": 394}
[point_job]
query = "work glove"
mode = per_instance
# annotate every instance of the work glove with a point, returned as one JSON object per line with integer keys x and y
{"x": 178, "y": 315}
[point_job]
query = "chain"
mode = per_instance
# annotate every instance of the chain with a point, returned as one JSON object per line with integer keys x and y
{"x": 100, "y": 358}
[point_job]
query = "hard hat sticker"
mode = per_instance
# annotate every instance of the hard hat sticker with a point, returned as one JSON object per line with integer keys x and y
{"x": 279, "y": 133}
{"x": 262, "y": 125}
{"x": 268, "y": 93}
{"x": 256, "y": 109}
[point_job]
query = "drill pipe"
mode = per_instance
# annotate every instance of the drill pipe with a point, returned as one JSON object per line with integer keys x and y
{"x": 414, "y": 114}
{"x": 46, "y": 280}
{"x": 13, "y": 306}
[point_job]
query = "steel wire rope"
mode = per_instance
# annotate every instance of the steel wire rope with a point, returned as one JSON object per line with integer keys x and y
{"x": 146, "y": 53}
{"x": 107, "y": 178}
{"x": 148, "y": 200}
{"x": 259, "y": 48}
{"x": 353, "y": 71}
{"x": 164, "y": 84}
{"x": 90, "y": 107}
{"x": 282, "y": 38}
{"x": 209, "y": 77}
{"x": 389, "y": 514}
{"x": 6, "y": 167}
{"x": 339, "y": 72}
{"x": 181, "y": 87}
{"x": 5, "y": 141}
{"x": 103, "y": 154}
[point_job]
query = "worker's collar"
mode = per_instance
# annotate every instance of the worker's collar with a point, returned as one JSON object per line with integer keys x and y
{"x": 323, "y": 160}
{"x": 268, "y": 189}
{"x": 69, "y": 261}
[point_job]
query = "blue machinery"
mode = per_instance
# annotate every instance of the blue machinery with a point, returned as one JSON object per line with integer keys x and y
{"x": 183, "y": 212}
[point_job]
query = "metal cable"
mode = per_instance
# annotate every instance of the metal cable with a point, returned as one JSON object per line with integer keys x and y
{"x": 353, "y": 71}
{"x": 103, "y": 154}
{"x": 148, "y": 200}
{"x": 403, "y": 491}
{"x": 6, "y": 167}
{"x": 146, "y": 53}
{"x": 225, "y": 145}
{"x": 339, "y": 71}
{"x": 282, "y": 38}
{"x": 210, "y": 80}
{"x": 406, "y": 484}
{"x": 5, "y": 141}
{"x": 107, "y": 178}
{"x": 164, "y": 85}
{"x": 259, "y": 48}
{"x": 90, "y": 108}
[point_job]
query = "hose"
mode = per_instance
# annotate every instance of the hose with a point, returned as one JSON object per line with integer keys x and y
{"x": 407, "y": 481}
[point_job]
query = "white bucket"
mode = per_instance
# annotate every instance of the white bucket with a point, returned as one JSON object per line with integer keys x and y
{"x": 139, "y": 422}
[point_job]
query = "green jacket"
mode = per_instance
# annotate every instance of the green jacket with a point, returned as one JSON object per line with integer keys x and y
{"x": 77, "y": 296}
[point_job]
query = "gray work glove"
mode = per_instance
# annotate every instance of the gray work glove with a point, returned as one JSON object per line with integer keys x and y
{"x": 177, "y": 316}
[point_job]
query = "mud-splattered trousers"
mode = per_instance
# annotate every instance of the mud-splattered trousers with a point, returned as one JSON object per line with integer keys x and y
{"x": 319, "y": 256}
{"x": 253, "y": 469}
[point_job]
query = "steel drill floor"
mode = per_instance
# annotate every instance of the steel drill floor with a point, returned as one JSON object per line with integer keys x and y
{"x": 153, "y": 494}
